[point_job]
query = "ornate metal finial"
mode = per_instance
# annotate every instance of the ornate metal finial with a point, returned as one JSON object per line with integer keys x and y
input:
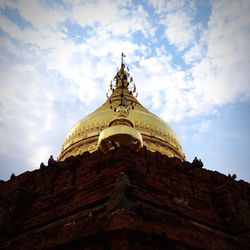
{"x": 122, "y": 56}
{"x": 121, "y": 88}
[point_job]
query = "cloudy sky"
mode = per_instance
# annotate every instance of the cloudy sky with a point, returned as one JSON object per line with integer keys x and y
{"x": 189, "y": 60}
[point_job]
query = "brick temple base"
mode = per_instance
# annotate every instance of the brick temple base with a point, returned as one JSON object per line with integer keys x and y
{"x": 124, "y": 200}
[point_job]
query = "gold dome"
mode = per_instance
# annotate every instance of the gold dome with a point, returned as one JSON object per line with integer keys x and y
{"x": 156, "y": 134}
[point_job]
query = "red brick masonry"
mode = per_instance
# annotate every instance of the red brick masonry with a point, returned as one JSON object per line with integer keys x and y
{"x": 124, "y": 200}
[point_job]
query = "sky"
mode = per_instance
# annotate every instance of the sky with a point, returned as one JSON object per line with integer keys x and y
{"x": 190, "y": 61}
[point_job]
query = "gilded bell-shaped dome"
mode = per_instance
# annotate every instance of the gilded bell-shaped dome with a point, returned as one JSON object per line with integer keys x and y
{"x": 119, "y": 120}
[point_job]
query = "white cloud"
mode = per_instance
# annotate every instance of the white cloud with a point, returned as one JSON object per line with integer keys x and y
{"x": 177, "y": 19}
{"x": 179, "y": 29}
{"x": 223, "y": 73}
{"x": 7, "y": 3}
{"x": 158, "y": 5}
{"x": 194, "y": 54}
{"x": 44, "y": 38}
{"x": 162, "y": 6}
{"x": 40, "y": 15}
{"x": 167, "y": 88}
{"x": 102, "y": 12}
{"x": 112, "y": 17}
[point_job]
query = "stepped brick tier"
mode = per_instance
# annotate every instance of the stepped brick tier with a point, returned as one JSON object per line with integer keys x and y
{"x": 124, "y": 200}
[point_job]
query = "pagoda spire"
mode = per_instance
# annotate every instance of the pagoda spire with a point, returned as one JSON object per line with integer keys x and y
{"x": 120, "y": 131}
{"x": 122, "y": 89}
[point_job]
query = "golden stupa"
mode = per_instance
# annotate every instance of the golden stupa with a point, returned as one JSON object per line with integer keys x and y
{"x": 121, "y": 121}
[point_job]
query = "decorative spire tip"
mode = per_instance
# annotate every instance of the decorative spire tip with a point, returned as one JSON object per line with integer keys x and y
{"x": 122, "y": 58}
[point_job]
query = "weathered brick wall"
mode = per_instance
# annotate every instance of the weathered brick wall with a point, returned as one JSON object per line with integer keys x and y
{"x": 126, "y": 200}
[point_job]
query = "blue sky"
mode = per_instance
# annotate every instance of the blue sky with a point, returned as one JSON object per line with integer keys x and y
{"x": 189, "y": 60}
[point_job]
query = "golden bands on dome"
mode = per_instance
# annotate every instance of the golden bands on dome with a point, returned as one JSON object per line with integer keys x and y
{"x": 80, "y": 148}
{"x": 82, "y": 133}
{"x": 92, "y": 145}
